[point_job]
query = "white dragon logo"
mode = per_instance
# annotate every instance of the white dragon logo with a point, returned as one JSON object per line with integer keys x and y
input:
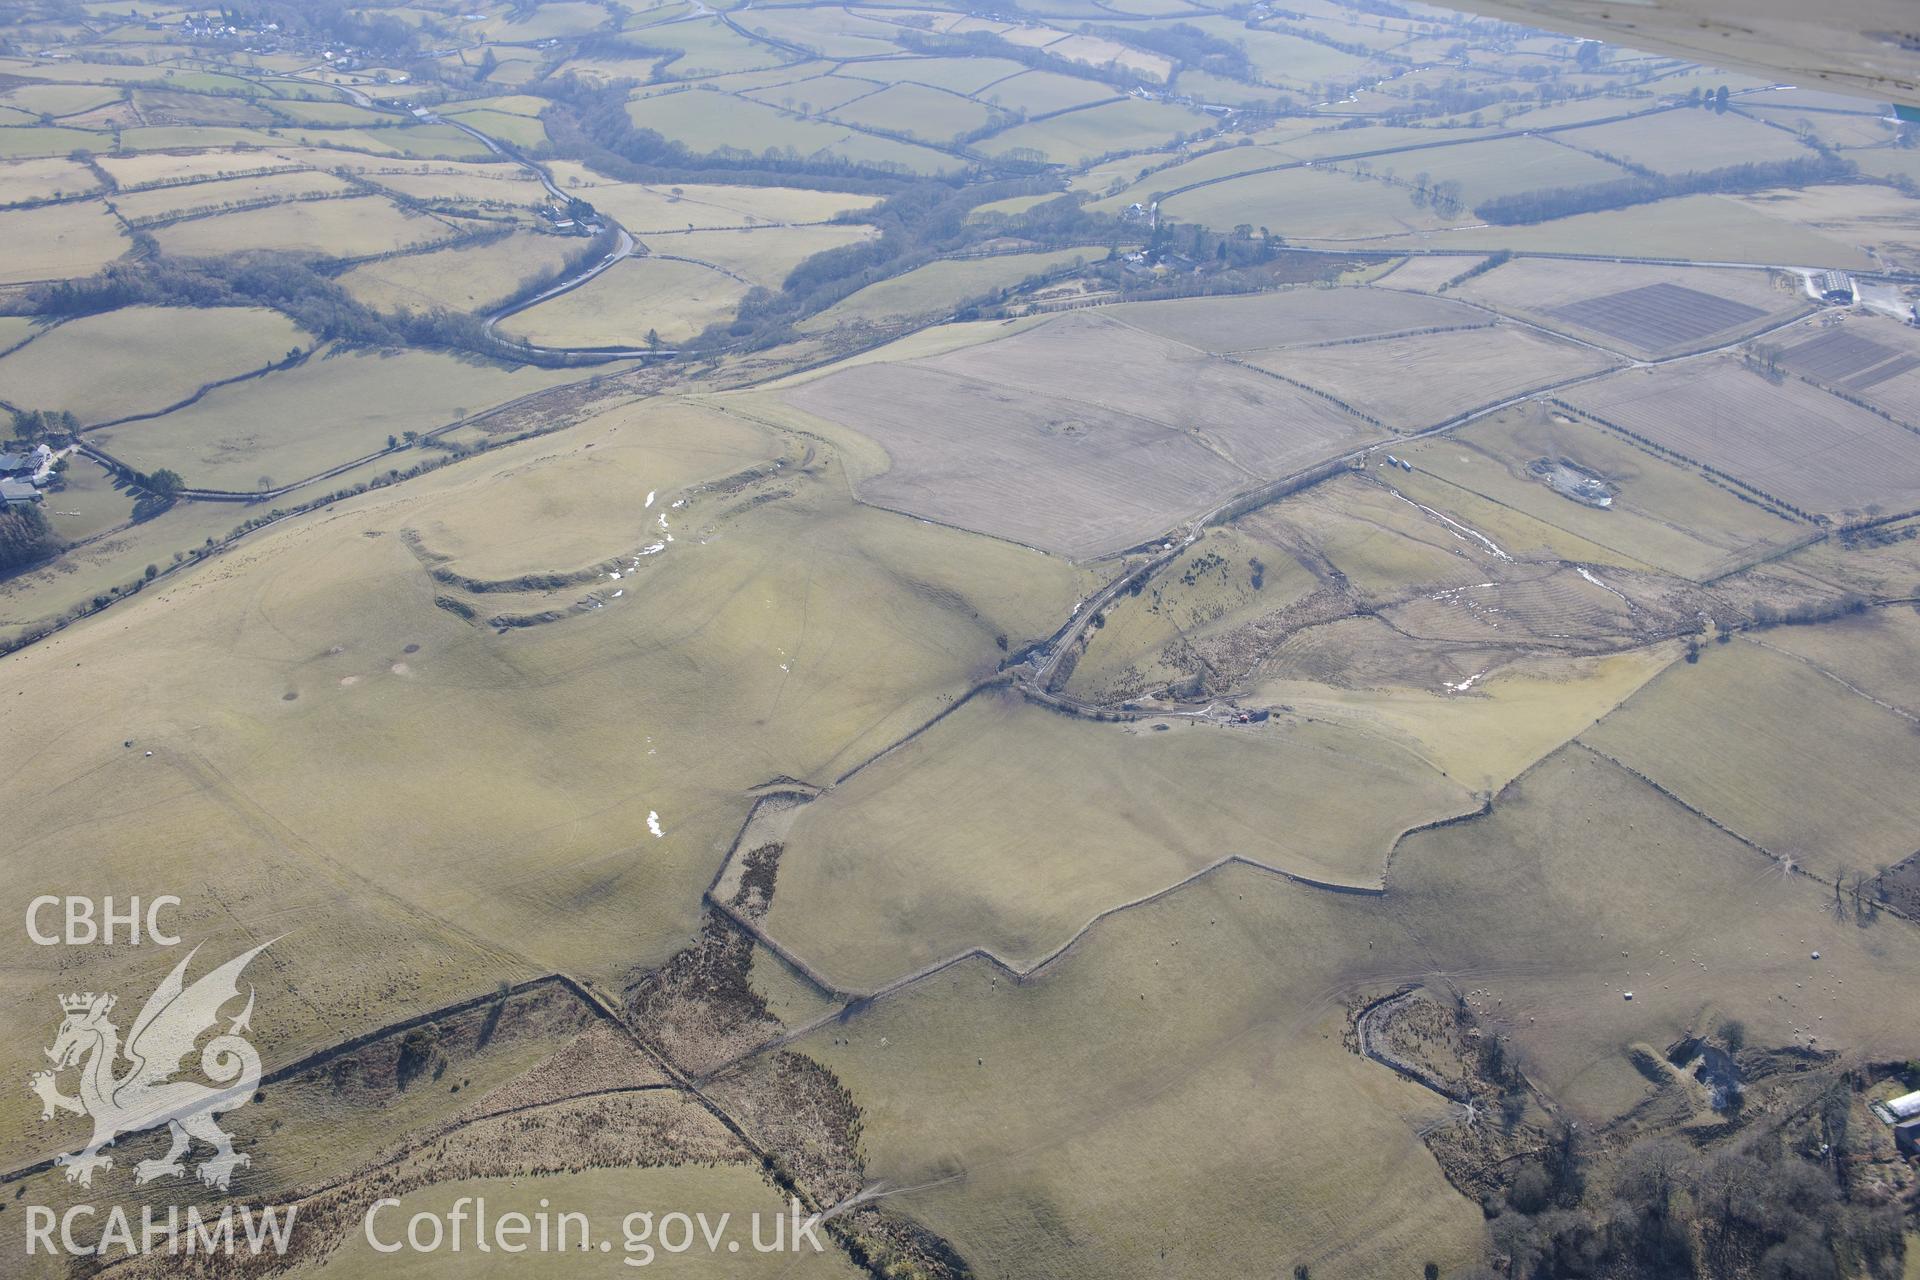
{"x": 146, "y": 1096}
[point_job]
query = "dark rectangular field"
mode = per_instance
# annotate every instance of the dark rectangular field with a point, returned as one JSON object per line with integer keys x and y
{"x": 1658, "y": 315}
{"x": 1836, "y": 354}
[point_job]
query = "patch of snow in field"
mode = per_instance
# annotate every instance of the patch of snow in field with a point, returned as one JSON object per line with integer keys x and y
{"x": 653, "y": 824}
{"x": 1458, "y": 528}
{"x": 614, "y": 574}
{"x": 663, "y": 519}
{"x": 653, "y": 549}
{"x": 1603, "y": 586}
{"x": 650, "y": 494}
{"x": 619, "y": 593}
{"x": 1464, "y": 685}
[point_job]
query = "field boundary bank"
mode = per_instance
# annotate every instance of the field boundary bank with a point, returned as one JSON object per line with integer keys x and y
{"x": 278, "y": 515}
{"x": 859, "y": 1003}
{"x": 1498, "y": 136}
{"x": 321, "y": 1057}
{"x": 262, "y": 495}
{"x": 857, "y": 1000}
{"x": 1787, "y": 865}
{"x": 596, "y": 1006}
{"x": 204, "y": 390}
{"x": 1842, "y": 681}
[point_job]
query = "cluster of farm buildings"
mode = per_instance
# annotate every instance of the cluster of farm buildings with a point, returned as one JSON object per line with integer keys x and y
{"x": 1903, "y": 1114}
{"x": 23, "y": 475}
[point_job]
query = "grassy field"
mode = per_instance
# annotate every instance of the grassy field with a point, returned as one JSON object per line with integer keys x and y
{"x": 532, "y": 851}
{"x": 1172, "y": 1098}
{"x": 1038, "y": 92}
{"x": 934, "y": 114}
{"x": 713, "y": 121}
{"x": 1778, "y": 752}
{"x": 208, "y": 197}
{"x": 161, "y": 355}
{"x": 1872, "y": 652}
{"x": 1416, "y": 382}
{"x": 1703, "y": 228}
{"x": 1878, "y": 222}
{"x": 146, "y": 168}
{"x": 1423, "y": 274}
{"x": 1664, "y": 515}
{"x": 492, "y": 185}
{"x": 1732, "y": 418}
{"x": 1310, "y": 204}
{"x": 1291, "y": 317}
{"x": 1541, "y": 291}
{"x": 958, "y": 840}
{"x": 1085, "y": 458}
{"x": 338, "y": 405}
{"x": 1679, "y": 141}
{"x": 57, "y": 242}
{"x": 1498, "y": 166}
{"x": 619, "y": 307}
{"x": 938, "y": 287}
{"x": 462, "y": 278}
{"x": 1513, "y": 718}
{"x": 350, "y": 228}
{"x": 694, "y": 206}
{"x": 656, "y": 455}
{"x": 520, "y": 130}
{"x": 23, "y": 180}
{"x": 762, "y": 256}
{"x": 90, "y": 501}
{"x": 1586, "y": 883}
{"x": 1079, "y": 136}
{"x": 79, "y": 576}
{"x": 1220, "y": 162}
{"x": 505, "y": 719}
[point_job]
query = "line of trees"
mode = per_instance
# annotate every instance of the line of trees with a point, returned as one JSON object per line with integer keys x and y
{"x": 292, "y": 286}
{"x": 589, "y": 122}
{"x": 1561, "y": 202}
{"x": 923, "y": 222}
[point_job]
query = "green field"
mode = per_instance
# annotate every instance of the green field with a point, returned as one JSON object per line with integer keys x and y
{"x": 934, "y": 114}
{"x": 675, "y": 300}
{"x": 941, "y": 286}
{"x": 462, "y": 278}
{"x": 696, "y": 206}
{"x": 1678, "y": 141}
{"x": 336, "y": 406}
{"x": 162, "y": 355}
{"x": 1076, "y": 137}
{"x": 1706, "y": 228}
{"x": 761, "y": 255}
{"x": 711, "y": 122}
{"x": 355, "y": 227}
{"x": 57, "y": 242}
{"x": 1779, "y": 753}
